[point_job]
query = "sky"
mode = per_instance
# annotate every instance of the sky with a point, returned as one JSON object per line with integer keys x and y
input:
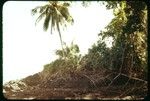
{"x": 27, "y": 48}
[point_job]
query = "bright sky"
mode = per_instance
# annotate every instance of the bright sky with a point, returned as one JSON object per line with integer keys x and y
{"x": 27, "y": 48}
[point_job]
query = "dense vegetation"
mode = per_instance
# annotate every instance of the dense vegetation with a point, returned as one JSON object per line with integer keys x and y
{"x": 70, "y": 60}
{"x": 129, "y": 31}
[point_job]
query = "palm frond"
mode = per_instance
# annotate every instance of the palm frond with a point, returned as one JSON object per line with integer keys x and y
{"x": 46, "y": 22}
{"x": 71, "y": 20}
{"x": 66, "y": 4}
{"x": 60, "y": 19}
{"x": 47, "y": 19}
{"x": 53, "y": 21}
{"x": 43, "y": 8}
{"x": 40, "y": 8}
{"x": 34, "y": 11}
{"x": 63, "y": 10}
{"x": 40, "y": 17}
{"x": 59, "y": 53}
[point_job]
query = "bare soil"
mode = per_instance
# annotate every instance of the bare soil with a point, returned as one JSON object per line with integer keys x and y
{"x": 78, "y": 84}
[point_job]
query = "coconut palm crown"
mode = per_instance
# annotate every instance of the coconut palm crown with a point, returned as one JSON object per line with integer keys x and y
{"x": 54, "y": 13}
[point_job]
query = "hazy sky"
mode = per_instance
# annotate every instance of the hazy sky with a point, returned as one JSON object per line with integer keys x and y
{"x": 26, "y": 47}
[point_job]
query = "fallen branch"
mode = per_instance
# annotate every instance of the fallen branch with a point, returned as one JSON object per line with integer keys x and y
{"x": 134, "y": 78}
{"x": 130, "y": 90}
{"x": 126, "y": 83}
{"x": 121, "y": 74}
{"x": 90, "y": 80}
{"x": 113, "y": 80}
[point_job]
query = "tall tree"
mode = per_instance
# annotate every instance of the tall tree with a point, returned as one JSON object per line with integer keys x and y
{"x": 56, "y": 13}
{"x": 129, "y": 30}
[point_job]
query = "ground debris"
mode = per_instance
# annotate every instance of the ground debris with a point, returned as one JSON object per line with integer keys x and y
{"x": 72, "y": 85}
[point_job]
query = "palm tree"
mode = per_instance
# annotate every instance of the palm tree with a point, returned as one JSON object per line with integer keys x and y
{"x": 71, "y": 51}
{"x": 55, "y": 13}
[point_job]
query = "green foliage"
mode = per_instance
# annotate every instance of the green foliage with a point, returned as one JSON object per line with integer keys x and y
{"x": 111, "y": 4}
{"x": 129, "y": 31}
{"x": 135, "y": 15}
{"x": 71, "y": 54}
{"x": 63, "y": 63}
{"x": 59, "y": 65}
{"x": 55, "y": 66}
{"x": 97, "y": 57}
{"x": 133, "y": 29}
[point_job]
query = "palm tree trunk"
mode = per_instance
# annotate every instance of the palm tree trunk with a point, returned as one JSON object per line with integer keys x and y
{"x": 61, "y": 39}
{"x": 61, "y": 43}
